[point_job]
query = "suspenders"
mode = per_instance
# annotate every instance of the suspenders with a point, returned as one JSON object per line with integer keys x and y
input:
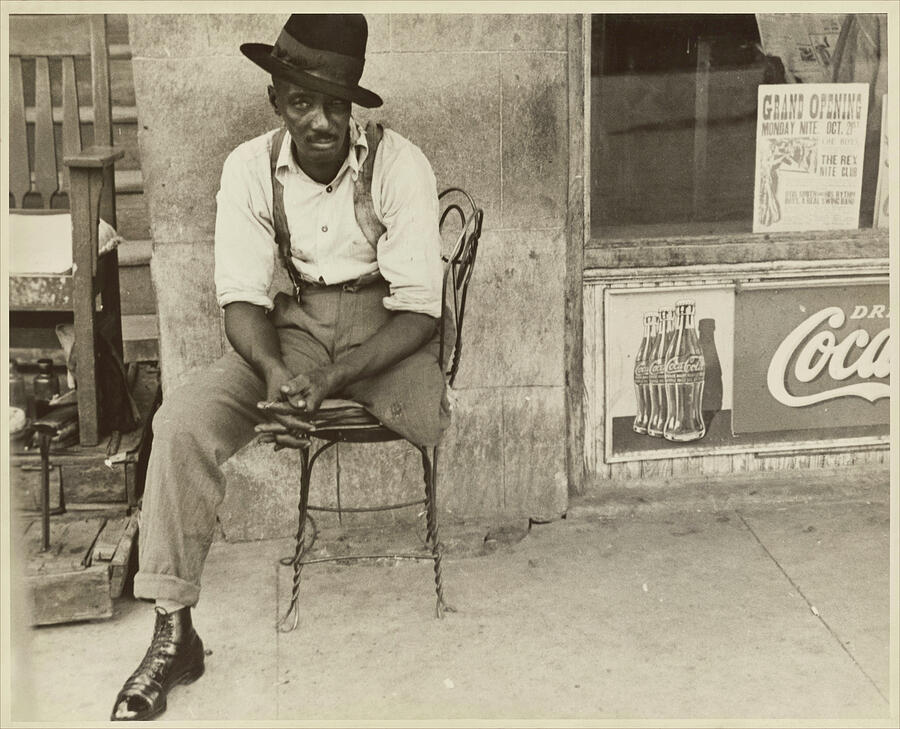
{"x": 363, "y": 206}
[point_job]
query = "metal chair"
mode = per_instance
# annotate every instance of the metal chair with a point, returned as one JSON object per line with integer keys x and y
{"x": 345, "y": 421}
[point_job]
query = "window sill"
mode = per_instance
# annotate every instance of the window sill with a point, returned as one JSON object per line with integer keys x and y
{"x": 661, "y": 246}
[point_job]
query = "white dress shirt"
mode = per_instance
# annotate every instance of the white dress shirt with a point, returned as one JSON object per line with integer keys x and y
{"x": 327, "y": 245}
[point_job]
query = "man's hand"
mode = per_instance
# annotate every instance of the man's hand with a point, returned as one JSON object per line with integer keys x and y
{"x": 289, "y": 428}
{"x": 305, "y": 392}
{"x": 291, "y": 402}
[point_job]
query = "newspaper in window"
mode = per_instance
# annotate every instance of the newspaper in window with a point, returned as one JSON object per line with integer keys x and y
{"x": 810, "y": 141}
{"x": 804, "y": 42}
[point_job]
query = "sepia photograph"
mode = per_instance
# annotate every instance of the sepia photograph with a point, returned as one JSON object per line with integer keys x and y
{"x": 471, "y": 364}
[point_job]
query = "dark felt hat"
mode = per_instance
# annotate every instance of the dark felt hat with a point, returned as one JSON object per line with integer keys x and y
{"x": 324, "y": 53}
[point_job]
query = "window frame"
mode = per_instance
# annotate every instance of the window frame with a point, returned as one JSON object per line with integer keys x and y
{"x": 645, "y": 248}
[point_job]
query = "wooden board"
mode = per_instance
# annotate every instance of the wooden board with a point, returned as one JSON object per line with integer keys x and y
{"x": 61, "y": 585}
{"x": 108, "y": 539}
{"x": 68, "y": 596}
{"x": 85, "y": 568}
{"x": 25, "y": 487}
{"x": 118, "y": 566}
{"x": 71, "y": 542}
{"x": 41, "y": 292}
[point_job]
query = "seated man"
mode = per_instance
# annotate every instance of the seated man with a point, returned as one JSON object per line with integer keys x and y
{"x": 362, "y": 322}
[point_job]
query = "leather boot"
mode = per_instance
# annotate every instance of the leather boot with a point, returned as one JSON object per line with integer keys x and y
{"x": 175, "y": 656}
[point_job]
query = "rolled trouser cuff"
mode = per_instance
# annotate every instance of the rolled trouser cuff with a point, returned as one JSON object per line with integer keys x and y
{"x": 166, "y": 587}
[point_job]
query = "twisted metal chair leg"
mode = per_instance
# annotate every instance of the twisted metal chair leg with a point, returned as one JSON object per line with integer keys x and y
{"x": 429, "y": 467}
{"x": 292, "y": 616}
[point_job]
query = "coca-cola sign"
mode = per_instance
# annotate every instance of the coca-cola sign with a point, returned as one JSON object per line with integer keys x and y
{"x": 811, "y": 356}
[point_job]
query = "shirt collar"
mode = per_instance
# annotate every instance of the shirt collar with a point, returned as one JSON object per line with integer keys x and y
{"x": 359, "y": 150}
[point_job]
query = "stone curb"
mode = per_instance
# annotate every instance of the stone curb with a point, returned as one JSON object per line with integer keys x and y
{"x": 750, "y": 491}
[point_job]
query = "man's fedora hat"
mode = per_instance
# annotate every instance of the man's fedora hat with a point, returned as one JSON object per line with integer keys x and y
{"x": 324, "y": 53}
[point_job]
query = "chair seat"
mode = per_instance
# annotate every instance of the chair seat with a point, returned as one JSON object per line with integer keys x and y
{"x": 348, "y": 421}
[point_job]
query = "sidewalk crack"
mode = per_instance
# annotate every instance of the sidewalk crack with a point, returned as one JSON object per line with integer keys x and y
{"x": 812, "y": 608}
{"x": 277, "y": 643}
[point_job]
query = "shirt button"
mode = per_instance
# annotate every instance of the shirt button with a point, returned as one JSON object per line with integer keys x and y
{"x": 328, "y": 189}
{"x": 324, "y": 228}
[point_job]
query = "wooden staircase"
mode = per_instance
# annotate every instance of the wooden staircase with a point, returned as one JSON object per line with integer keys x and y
{"x": 139, "y": 320}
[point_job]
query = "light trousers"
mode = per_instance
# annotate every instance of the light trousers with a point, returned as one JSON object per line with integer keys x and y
{"x": 204, "y": 421}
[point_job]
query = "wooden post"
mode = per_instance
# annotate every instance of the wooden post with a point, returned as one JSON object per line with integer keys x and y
{"x": 85, "y": 198}
{"x": 90, "y": 172}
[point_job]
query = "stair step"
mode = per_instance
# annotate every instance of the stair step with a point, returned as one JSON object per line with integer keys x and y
{"x": 129, "y": 182}
{"x": 135, "y": 283}
{"x": 140, "y": 326}
{"x": 117, "y": 29}
{"x": 132, "y": 217}
{"x": 119, "y": 52}
{"x": 135, "y": 252}
{"x": 140, "y": 338}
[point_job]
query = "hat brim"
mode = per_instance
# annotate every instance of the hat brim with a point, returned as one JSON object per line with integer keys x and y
{"x": 261, "y": 55}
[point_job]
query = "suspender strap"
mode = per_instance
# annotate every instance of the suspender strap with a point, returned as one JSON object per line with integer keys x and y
{"x": 279, "y": 220}
{"x": 363, "y": 206}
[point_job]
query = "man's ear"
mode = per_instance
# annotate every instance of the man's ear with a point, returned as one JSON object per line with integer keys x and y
{"x": 273, "y": 100}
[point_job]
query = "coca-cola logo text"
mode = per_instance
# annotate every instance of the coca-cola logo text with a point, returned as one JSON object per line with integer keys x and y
{"x": 811, "y": 351}
{"x": 690, "y": 365}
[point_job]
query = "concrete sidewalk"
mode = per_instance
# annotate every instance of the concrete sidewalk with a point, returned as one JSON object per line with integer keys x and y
{"x": 759, "y": 612}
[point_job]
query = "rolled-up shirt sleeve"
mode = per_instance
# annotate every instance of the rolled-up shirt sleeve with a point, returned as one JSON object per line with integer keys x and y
{"x": 409, "y": 253}
{"x": 245, "y": 239}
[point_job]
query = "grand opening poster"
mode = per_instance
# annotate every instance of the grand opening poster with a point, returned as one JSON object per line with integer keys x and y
{"x": 810, "y": 142}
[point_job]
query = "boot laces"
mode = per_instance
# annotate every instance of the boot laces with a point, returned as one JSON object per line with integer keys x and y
{"x": 161, "y": 651}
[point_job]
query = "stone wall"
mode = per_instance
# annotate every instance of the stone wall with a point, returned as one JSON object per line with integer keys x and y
{"x": 485, "y": 97}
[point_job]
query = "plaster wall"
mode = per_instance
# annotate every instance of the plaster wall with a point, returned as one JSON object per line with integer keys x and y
{"x": 485, "y": 97}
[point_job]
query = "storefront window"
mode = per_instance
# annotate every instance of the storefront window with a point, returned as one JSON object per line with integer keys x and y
{"x": 674, "y": 111}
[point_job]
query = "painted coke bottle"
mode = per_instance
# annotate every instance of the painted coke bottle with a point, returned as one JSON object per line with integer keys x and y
{"x": 657, "y": 387}
{"x": 684, "y": 376}
{"x": 642, "y": 373}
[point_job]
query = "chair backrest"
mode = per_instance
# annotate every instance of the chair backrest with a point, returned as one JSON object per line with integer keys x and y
{"x": 41, "y": 48}
{"x": 460, "y": 223}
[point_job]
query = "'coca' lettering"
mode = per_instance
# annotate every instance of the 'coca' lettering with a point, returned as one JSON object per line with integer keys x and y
{"x": 823, "y": 350}
{"x": 691, "y": 364}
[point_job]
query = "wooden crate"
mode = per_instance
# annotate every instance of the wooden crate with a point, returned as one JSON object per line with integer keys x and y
{"x": 85, "y": 568}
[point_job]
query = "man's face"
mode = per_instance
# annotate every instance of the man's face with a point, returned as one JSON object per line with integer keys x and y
{"x": 318, "y": 124}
